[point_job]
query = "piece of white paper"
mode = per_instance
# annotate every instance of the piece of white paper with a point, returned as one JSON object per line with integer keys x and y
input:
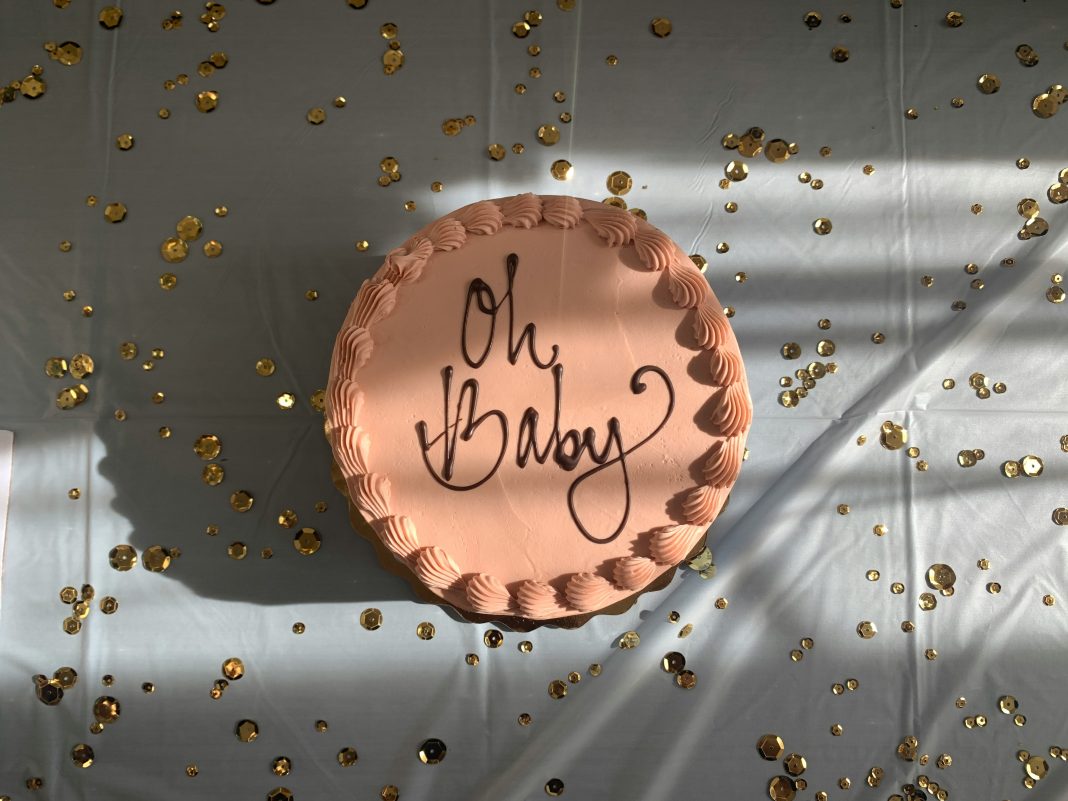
{"x": 7, "y": 440}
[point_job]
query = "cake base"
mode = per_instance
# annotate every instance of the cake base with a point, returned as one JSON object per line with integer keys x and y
{"x": 510, "y": 622}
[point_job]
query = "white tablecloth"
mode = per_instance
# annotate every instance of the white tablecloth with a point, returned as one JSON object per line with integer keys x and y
{"x": 299, "y": 196}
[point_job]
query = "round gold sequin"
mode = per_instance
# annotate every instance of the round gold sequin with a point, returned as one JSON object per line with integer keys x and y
{"x": 347, "y": 757}
{"x": 840, "y": 54}
{"x": 207, "y": 446}
{"x": 213, "y": 248}
{"x": 822, "y": 226}
{"x": 307, "y": 541}
{"x": 174, "y": 250}
{"x": 496, "y": 152}
{"x": 82, "y": 755}
{"x": 241, "y": 501}
{"x": 472, "y": 660}
{"x": 548, "y": 134}
{"x": 940, "y": 577}
{"x": 122, "y": 558}
{"x": 432, "y": 751}
{"x": 188, "y": 228}
{"x": 928, "y": 601}
{"x": 781, "y": 788}
{"x": 371, "y": 619}
{"x": 736, "y": 170}
{"x": 673, "y": 662}
{"x": 993, "y": 588}
{"x": 686, "y": 679}
{"x": 156, "y": 559}
{"x": 213, "y": 474}
{"x": 492, "y": 638}
{"x": 233, "y": 668}
{"x": 106, "y": 709}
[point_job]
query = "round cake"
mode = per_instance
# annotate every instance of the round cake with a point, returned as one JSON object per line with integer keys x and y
{"x": 538, "y": 406}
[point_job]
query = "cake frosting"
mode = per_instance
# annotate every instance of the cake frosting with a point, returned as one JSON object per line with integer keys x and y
{"x": 538, "y": 406}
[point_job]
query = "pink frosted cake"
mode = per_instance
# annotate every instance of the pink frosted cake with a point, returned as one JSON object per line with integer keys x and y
{"x": 538, "y": 406}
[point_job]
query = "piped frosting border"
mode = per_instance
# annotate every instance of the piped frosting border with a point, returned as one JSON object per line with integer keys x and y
{"x": 371, "y": 492}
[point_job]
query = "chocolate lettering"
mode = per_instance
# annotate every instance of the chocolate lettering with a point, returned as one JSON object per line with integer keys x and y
{"x": 567, "y": 449}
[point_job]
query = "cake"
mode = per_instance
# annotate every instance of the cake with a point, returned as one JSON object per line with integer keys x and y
{"x": 538, "y": 407}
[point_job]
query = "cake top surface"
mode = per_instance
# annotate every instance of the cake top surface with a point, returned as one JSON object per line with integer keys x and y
{"x": 538, "y": 405}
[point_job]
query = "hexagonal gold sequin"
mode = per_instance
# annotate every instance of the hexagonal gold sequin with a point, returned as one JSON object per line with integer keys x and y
{"x": 770, "y": 747}
{"x": 432, "y": 751}
{"x": 207, "y": 101}
{"x": 247, "y": 730}
{"x": 660, "y": 26}
{"x": 347, "y": 757}
{"x": 794, "y": 764}
{"x": 115, "y": 212}
{"x": 425, "y": 630}
{"x": 561, "y": 170}
{"x": 307, "y": 541}
{"x": 371, "y": 619}
{"x": 241, "y": 501}
{"x": 557, "y": 689}
{"x": 619, "y": 182}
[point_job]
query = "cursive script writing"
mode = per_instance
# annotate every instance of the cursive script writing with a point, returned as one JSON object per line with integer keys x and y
{"x": 461, "y": 422}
